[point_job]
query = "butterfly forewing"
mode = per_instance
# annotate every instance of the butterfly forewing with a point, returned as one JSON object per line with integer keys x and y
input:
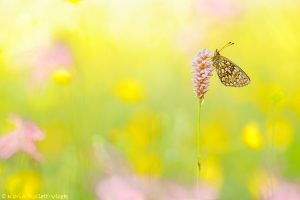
{"x": 229, "y": 73}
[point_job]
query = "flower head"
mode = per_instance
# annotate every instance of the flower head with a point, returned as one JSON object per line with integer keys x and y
{"x": 121, "y": 183}
{"x": 202, "y": 72}
{"x": 284, "y": 190}
{"x": 130, "y": 91}
{"x": 141, "y": 188}
{"x": 52, "y": 60}
{"x": 21, "y": 139}
{"x": 119, "y": 188}
{"x": 27, "y": 184}
{"x": 61, "y": 76}
{"x": 74, "y": 1}
{"x": 224, "y": 9}
{"x": 252, "y": 137}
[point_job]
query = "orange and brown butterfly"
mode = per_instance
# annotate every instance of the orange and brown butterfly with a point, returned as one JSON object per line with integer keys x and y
{"x": 229, "y": 73}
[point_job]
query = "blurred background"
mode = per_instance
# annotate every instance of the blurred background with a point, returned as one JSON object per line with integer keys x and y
{"x": 97, "y": 102}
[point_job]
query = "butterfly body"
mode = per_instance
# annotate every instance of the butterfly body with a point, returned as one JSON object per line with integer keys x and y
{"x": 229, "y": 73}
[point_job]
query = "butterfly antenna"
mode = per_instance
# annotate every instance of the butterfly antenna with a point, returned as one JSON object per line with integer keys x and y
{"x": 226, "y": 45}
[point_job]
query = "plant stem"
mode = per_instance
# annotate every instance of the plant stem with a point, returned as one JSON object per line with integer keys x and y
{"x": 198, "y": 141}
{"x": 272, "y": 150}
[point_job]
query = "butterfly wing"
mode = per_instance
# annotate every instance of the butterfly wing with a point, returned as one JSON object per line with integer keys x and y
{"x": 229, "y": 73}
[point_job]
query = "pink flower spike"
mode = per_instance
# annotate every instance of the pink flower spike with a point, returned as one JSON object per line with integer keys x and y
{"x": 202, "y": 72}
{"x": 21, "y": 139}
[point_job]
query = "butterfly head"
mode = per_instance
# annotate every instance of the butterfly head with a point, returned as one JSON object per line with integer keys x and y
{"x": 217, "y": 53}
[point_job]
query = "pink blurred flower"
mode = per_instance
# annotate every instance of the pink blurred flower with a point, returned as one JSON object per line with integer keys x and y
{"x": 173, "y": 191}
{"x": 219, "y": 8}
{"x": 202, "y": 72}
{"x": 284, "y": 191}
{"x": 55, "y": 57}
{"x": 21, "y": 139}
{"x": 122, "y": 183}
{"x": 137, "y": 188}
{"x": 120, "y": 188}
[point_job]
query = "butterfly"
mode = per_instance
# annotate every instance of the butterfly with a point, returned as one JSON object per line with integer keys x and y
{"x": 229, "y": 73}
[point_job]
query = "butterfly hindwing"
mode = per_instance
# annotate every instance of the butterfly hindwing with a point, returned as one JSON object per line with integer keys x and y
{"x": 229, "y": 73}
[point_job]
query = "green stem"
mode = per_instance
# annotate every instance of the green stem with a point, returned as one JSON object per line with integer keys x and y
{"x": 272, "y": 149}
{"x": 198, "y": 141}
